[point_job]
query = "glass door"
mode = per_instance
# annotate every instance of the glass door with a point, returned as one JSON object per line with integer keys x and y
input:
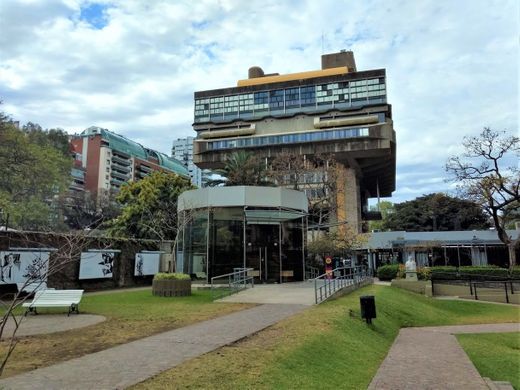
{"x": 263, "y": 252}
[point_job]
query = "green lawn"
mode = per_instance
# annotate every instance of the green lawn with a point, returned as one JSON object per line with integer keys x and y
{"x": 325, "y": 347}
{"x": 496, "y": 355}
{"x": 130, "y": 315}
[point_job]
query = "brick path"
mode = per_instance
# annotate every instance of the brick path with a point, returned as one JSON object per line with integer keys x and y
{"x": 131, "y": 363}
{"x": 431, "y": 358}
{"x": 43, "y": 324}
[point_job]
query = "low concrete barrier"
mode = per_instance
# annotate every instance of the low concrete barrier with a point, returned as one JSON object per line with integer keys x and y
{"x": 416, "y": 286}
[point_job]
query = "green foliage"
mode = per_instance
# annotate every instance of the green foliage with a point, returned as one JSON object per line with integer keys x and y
{"x": 388, "y": 272}
{"x": 149, "y": 207}
{"x": 515, "y": 272}
{"x": 171, "y": 276}
{"x": 469, "y": 272}
{"x": 436, "y": 212}
{"x": 32, "y": 175}
{"x": 386, "y": 208}
{"x": 242, "y": 169}
{"x": 424, "y": 273}
{"x": 336, "y": 243}
{"x": 496, "y": 355}
{"x": 323, "y": 347}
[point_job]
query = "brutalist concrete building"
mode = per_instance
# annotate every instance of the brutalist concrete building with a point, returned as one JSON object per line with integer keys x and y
{"x": 337, "y": 110}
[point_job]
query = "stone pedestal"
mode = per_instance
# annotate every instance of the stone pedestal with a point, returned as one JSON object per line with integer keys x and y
{"x": 411, "y": 276}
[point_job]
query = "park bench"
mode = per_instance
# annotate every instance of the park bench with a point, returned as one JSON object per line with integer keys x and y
{"x": 55, "y": 298}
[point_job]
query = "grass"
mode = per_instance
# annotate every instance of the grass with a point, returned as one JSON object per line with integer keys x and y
{"x": 130, "y": 315}
{"x": 496, "y": 355}
{"x": 324, "y": 347}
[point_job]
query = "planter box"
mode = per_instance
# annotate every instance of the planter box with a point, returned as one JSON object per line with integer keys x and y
{"x": 171, "y": 288}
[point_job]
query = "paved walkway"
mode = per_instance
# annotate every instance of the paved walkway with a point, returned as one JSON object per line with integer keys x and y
{"x": 44, "y": 324}
{"x": 431, "y": 358}
{"x": 131, "y": 363}
{"x": 300, "y": 293}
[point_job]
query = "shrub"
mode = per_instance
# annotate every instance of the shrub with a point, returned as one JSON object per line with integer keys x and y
{"x": 387, "y": 272}
{"x": 443, "y": 273}
{"x": 471, "y": 272}
{"x": 424, "y": 273}
{"x": 483, "y": 272}
{"x": 515, "y": 272}
{"x": 401, "y": 273}
{"x": 171, "y": 276}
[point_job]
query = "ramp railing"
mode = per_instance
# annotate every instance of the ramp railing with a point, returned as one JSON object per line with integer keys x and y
{"x": 231, "y": 283}
{"x": 328, "y": 284}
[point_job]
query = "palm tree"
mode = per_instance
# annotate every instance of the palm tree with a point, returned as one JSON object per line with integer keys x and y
{"x": 242, "y": 169}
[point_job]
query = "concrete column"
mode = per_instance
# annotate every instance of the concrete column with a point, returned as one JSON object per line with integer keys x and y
{"x": 349, "y": 198}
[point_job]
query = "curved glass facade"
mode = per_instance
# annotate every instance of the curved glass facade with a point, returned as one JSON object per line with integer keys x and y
{"x": 218, "y": 240}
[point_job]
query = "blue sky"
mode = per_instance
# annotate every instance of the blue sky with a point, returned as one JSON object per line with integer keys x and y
{"x": 132, "y": 66}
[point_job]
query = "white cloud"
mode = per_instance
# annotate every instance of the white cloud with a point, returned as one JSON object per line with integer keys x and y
{"x": 451, "y": 65}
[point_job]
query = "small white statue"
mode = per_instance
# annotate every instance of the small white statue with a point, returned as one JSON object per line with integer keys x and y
{"x": 411, "y": 268}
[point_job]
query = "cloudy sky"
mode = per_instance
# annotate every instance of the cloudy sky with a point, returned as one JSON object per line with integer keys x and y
{"x": 132, "y": 66}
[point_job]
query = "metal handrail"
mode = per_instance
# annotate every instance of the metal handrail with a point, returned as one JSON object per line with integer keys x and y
{"x": 236, "y": 281}
{"x": 338, "y": 279}
{"x": 311, "y": 272}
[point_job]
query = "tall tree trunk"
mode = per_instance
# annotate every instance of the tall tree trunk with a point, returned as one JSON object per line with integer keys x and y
{"x": 512, "y": 254}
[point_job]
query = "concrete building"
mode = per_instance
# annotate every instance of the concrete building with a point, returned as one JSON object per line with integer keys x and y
{"x": 104, "y": 160}
{"x": 182, "y": 150}
{"x": 336, "y": 110}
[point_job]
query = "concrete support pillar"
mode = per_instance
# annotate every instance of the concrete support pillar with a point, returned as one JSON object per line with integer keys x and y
{"x": 349, "y": 198}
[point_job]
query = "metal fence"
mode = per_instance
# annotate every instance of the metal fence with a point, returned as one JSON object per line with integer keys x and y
{"x": 328, "y": 284}
{"x": 481, "y": 286}
{"x": 231, "y": 283}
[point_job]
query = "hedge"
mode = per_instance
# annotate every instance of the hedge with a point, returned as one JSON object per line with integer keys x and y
{"x": 169, "y": 276}
{"x": 473, "y": 273}
{"x": 388, "y": 272}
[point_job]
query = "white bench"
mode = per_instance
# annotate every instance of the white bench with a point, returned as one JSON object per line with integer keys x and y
{"x": 55, "y": 298}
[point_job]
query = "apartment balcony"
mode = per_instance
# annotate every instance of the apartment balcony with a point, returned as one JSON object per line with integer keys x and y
{"x": 121, "y": 160}
{"x": 121, "y": 167}
{"x": 145, "y": 168}
{"x": 120, "y": 175}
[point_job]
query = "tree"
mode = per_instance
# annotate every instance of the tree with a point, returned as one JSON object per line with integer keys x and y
{"x": 242, "y": 169}
{"x": 32, "y": 175}
{"x": 319, "y": 176}
{"x": 68, "y": 248}
{"x": 149, "y": 207}
{"x": 436, "y": 212}
{"x": 487, "y": 173}
{"x": 338, "y": 242}
{"x": 88, "y": 210}
{"x": 386, "y": 208}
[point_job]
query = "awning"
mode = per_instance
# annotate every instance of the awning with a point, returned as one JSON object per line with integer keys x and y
{"x": 271, "y": 217}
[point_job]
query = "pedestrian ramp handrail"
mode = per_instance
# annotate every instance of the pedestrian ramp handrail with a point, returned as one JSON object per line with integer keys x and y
{"x": 329, "y": 283}
{"x": 231, "y": 283}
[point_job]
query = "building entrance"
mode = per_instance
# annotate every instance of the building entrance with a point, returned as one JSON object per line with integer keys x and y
{"x": 263, "y": 252}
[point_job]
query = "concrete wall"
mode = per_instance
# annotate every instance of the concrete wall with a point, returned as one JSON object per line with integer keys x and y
{"x": 69, "y": 255}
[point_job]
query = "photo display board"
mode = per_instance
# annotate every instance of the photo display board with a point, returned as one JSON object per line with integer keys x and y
{"x": 147, "y": 263}
{"x": 20, "y": 266}
{"x": 96, "y": 265}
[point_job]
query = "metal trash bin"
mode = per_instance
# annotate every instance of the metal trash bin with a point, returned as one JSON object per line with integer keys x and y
{"x": 368, "y": 307}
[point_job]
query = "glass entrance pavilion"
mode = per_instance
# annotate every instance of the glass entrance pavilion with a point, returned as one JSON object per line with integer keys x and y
{"x": 225, "y": 228}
